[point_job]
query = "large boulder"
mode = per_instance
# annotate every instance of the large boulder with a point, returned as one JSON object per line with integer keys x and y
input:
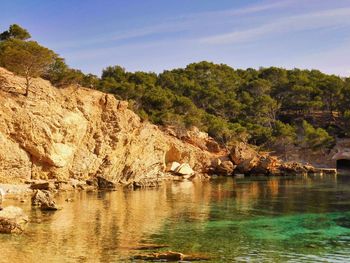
{"x": 241, "y": 152}
{"x": 184, "y": 169}
{"x": 172, "y": 166}
{"x": 44, "y": 199}
{"x": 12, "y": 220}
{"x": 223, "y": 167}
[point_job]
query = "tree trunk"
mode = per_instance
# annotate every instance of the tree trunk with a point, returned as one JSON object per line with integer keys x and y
{"x": 27, "y": 86}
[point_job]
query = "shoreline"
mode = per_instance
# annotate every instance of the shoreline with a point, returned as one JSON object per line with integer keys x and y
{"x": 15, "y": 190}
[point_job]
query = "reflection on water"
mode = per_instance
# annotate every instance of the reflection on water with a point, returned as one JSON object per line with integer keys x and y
{"x": 249, "y": 219}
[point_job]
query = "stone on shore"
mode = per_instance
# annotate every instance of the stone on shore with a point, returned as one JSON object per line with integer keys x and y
{"x": 184, "y": 169}
{"x": 12, "y": 220}
{"x": 105, "y": 184}
{"x": 172, "y": 166}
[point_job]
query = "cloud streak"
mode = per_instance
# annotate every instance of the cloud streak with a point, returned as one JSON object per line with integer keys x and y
{"x": 177, "y": 24}
{"x": 314, "y": 20}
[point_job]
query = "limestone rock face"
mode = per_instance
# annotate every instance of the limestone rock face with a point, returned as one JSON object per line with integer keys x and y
{"x": 81, "y": 133}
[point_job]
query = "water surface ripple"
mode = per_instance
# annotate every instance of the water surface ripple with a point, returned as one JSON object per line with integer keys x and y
{"x": 261, "y": 219}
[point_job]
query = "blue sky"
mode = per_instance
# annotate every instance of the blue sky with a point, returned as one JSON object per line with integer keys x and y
{"x": 154, "y": 35}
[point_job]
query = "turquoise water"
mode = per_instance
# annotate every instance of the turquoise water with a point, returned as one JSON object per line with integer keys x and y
{"x": 261, "y": 219}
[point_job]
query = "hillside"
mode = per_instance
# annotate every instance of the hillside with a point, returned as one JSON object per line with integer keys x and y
{"x": 78, "y": 132}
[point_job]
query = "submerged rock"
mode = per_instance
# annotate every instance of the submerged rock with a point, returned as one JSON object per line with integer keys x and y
{"x": 168, "y": 256}
{"x": 12, "y": 220}
{"x": 171, "y": 256}
{"x": 147, "y": 247}
{"x": 45, "y": 200}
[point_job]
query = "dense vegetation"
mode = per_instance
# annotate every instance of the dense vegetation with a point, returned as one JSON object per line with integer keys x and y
{"x": 271, "y": 107}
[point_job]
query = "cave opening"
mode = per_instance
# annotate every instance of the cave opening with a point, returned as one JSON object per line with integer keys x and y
{"x": 343, "y": 164}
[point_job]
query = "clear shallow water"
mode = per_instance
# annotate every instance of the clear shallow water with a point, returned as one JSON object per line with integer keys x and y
{"x": 233, "y": 220}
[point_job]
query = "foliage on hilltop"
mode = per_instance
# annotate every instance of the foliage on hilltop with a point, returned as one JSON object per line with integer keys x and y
{"x": 264, "y": 106}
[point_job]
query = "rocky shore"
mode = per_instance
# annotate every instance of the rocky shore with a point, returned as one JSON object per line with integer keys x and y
{"x": 81, "y": 134}
{"x": 81, "y": 139}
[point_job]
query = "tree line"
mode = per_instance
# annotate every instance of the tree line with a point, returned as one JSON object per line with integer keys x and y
{"x": 270, "y": 107}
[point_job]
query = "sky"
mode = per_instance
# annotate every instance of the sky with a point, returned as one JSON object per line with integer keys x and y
{"x": 157, "y": 35}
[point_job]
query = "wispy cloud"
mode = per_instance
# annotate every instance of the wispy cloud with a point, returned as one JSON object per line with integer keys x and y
{"x": 186, "y": 22}
{"x": 229, "y": 36}
{"x": 253, "y": 9}
{"x": 313, "y": 20}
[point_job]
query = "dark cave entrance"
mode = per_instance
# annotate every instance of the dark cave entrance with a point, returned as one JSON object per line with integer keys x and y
{"x": 343, "y": 164}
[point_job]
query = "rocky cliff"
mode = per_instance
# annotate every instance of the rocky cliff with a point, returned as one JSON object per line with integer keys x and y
{"x": 80, "y": 133}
